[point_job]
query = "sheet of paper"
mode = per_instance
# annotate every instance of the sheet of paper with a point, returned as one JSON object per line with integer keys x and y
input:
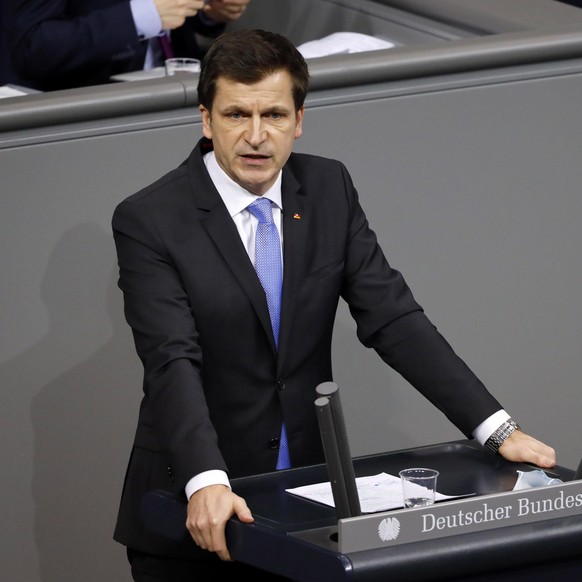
{"x": 342, "y": 42}
{"x": 376, "y": 492}
{"x": 155, "y": 73}
{"x": 6, "y": 91}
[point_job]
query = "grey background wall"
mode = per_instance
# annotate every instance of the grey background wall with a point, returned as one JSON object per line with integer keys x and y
{"x": 472, "y": 182}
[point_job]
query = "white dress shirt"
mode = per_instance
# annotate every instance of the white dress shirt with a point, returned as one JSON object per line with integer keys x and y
{"x": 148, "y": 25}
{"x": 236, "y": 199}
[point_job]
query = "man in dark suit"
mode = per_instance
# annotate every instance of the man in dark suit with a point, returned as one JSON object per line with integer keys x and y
{"x": 221, "y": 388}
{"x": 74, "y": 43}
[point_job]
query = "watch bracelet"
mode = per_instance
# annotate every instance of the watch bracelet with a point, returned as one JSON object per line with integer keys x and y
{"x": 500, "y": 435}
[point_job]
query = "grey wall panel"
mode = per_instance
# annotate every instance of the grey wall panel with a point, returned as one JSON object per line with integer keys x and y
{"x": 69, "y": 377}
{"x": 475, "y": 194}
{"x": 304, "y": 20}
{"x": 473, "y": 185}
{"x": 494, "y": 16}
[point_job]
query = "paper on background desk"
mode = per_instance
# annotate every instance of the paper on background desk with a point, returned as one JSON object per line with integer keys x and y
{"x": 333, "y": 44}
{"x": 155, "y": 73}
{"x": 342, "y": 43}
{"x": 7, "y": 91}
{"x": 376, "y": 492}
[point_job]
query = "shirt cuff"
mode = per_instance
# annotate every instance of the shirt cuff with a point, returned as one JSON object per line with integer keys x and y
{"x": 146, "y": 18}
{"x": 212, "y": 477}
{"x": 489, "y": 426}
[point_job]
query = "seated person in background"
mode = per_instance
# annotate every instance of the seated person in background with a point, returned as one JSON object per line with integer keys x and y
{"x": 61, "y": 44}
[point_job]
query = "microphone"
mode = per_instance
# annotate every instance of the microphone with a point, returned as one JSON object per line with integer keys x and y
{"x": 337, "y": 451}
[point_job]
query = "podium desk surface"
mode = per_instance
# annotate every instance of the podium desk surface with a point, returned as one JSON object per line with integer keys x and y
{"x": 297, "y": 538}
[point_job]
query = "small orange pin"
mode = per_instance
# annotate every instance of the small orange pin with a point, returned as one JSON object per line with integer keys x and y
{"x": 297, "y": 216}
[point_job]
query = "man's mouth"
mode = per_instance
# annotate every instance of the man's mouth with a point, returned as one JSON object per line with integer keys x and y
{"x": 255, "y": 159}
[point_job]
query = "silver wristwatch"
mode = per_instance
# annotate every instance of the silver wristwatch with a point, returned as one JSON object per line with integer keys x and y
{"x": 500, "y": 435}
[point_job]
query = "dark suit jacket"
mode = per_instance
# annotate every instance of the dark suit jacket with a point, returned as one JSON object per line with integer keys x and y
{"x": 216, "y": 390}
{"x": 60, "y": 44}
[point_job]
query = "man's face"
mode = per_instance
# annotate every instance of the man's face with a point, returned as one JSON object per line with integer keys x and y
{"x": 253, "y": 128}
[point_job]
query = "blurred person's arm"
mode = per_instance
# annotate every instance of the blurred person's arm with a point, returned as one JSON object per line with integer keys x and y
{"x": 80, "y": 43}
{"x": 173, "y": 13}
{"x": 45, "y": 43}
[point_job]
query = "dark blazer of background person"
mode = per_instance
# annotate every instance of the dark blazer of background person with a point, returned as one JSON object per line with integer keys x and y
{"x": 61, "y": 44}
{"x": 202, "y": 330}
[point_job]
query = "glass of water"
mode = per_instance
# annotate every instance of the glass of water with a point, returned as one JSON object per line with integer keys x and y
{"x": 418, "y": 486}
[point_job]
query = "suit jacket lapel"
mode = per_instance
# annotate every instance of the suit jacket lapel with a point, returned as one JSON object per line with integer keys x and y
{"x": 222, "y": 230}
{"x": 295, "y": 228}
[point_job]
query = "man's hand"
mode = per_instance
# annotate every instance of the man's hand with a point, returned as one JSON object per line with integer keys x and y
{"x": 208, "y": 511}
{"x": 173, "y": 13}
{"x": 225, "y": 10}
{"x": 522, "y": 448}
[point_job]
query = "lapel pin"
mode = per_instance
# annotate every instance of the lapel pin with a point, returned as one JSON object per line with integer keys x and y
{"x": 297, "y": 216}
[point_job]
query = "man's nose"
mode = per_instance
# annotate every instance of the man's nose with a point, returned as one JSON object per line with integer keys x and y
{"x": 256, "y": 131}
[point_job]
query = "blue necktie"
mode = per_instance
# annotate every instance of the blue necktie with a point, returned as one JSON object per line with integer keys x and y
{"x": 270, "y": 272}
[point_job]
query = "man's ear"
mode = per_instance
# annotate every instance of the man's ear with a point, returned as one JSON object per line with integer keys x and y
{"x": 299, "y": 123}
{"x": 206, "y": 122}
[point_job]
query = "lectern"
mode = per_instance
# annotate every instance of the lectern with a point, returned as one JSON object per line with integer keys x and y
{"x": 495, "y": 534}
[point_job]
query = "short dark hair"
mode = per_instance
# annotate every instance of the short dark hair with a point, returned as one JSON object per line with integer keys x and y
{"x": 248, "y": 56}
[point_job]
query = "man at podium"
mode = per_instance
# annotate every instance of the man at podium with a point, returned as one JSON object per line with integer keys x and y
{"x": 232, "y": 310}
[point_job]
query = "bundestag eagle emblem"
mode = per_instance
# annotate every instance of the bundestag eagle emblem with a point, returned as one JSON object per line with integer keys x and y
{"x": 389, "y": 529}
